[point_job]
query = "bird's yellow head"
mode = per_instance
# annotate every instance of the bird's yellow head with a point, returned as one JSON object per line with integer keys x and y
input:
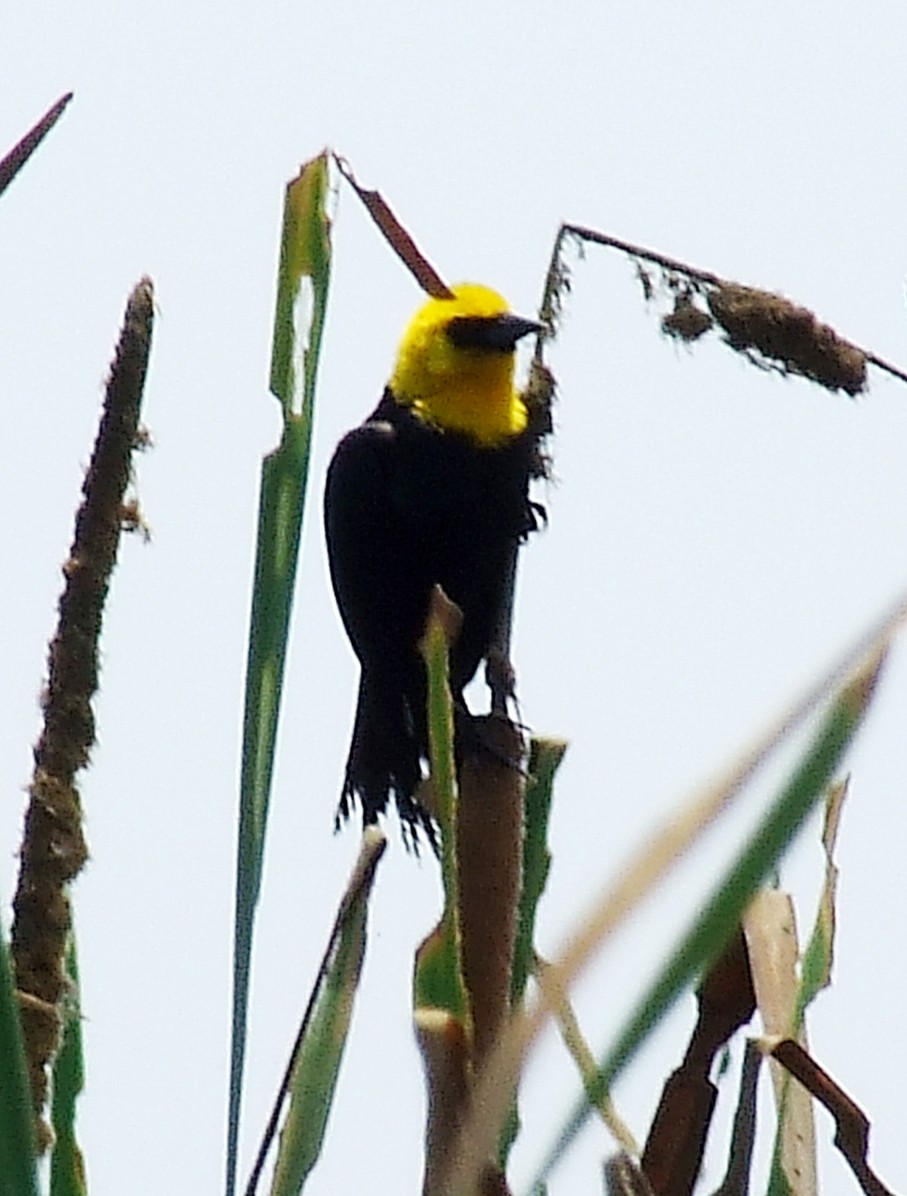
{"x": 455, "y": 365}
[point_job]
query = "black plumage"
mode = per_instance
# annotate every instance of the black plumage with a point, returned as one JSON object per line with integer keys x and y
{"x": 408, "y": 505}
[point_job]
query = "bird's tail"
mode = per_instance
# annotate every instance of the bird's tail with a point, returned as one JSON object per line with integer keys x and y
{"x": 387, "y": 747}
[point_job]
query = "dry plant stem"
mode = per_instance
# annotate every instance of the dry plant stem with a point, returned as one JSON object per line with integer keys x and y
{"x": 727, "y": 1001}
{"x": 672, "y": 1158}
{"x": 623, "y": 1177}
{"x": 53, "y": 846}
{"x": 673, "y": 265}
{"x": 488, "y": 846}
{"x": 557, "y": 282}
{"x": 772, "y": 942}
{"x": 743, "y": 1137}
{"x": 396, "y": 235}
{"x": 493, "y": 1182}
{"x": 445, "y": 1057}
{"x": 851, "y": 1123}
{"x": 582, "y": 1055}
{"x": 13, "y": 162}
{"x": 489, "y": 831}
{"x": 705, "y": 277}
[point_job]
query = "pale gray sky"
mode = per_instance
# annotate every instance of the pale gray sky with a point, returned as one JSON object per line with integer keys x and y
{"x": 716, "y": 535}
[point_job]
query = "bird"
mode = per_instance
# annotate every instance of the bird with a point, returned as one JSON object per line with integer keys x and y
{"x": 432, "y": 488}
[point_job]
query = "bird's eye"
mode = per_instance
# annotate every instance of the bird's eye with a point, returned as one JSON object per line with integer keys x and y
{"x": 490, "y": 334}
{"x": 473, "y": 332}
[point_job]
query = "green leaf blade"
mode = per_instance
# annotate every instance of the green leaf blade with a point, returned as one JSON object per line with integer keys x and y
{"x": 18, "y": 1176}
{"x": 545, "y": 758}
{"x": 438, "y": 974}
{"x": 302, "y": 286}
{"x": 320, "y": 1053}
{"x": 67, "y": 1167}
{"x": 304, "y": 266}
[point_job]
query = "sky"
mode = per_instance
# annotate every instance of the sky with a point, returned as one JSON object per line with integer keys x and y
{"x": 717, "y": 536}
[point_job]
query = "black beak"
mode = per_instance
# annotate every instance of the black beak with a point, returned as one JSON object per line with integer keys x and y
{"x": 493, "y": 334}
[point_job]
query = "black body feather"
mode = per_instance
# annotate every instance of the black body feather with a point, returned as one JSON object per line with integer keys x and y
{"x": 407, "y": 506}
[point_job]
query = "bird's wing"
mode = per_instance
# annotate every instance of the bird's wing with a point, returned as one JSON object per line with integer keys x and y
{"x": 370, "y": 548}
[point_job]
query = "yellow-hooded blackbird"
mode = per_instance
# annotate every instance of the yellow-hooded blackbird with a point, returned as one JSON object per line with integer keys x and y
{"x": 431, "y": 488}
